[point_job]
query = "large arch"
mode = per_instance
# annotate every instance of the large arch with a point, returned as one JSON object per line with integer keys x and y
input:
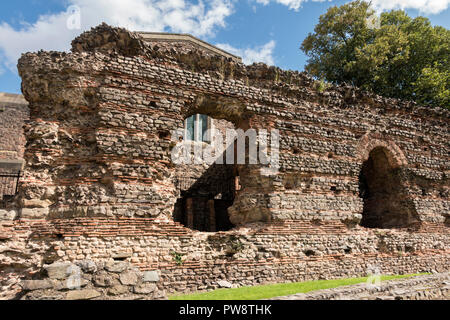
{"x": 220, "y": 107}
{"x": 220, "y": 190}
{"x": 394, "y": 154}
{"x": 383, "y": 187}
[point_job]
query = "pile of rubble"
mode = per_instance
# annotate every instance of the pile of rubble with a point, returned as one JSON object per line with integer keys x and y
{"x": 85, "y": 280}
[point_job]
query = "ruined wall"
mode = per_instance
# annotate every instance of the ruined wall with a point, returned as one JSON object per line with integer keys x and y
{"x": 86, "y": 280}
{"x": 13, "y": 114}
{"x": 100, "y": 181}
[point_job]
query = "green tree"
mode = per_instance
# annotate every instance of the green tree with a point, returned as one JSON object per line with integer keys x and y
{"x": 401, "y": 57}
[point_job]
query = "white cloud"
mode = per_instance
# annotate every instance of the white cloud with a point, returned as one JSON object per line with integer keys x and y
{"x": 425, "y": 6}
{"x": 262, "y": 53}
{"x": 50, "y": 32}
{"x": 291, "y": 4}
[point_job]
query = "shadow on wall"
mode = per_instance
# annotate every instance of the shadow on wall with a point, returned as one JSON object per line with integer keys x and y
{"x": 204, "y": 205}
{"x": 383, "y": 189}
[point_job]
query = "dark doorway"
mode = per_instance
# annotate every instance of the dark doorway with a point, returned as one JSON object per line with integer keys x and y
{"x": 10, "y": 173}
{"x": 204, "y": 200}
{"x": 204, "y": 214}
{"x": 204, "y": 206}
{"x": 207, "y": 190}
{"x": 386, "y": 201}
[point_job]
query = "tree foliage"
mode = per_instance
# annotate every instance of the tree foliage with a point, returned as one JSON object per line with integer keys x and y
{"x": 402, "y": 57}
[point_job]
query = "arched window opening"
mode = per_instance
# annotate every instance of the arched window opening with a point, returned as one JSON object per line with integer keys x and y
{"x": 206, "y": 191}
{"x": 196, "y": 128}
{"x": 386, "y": 202}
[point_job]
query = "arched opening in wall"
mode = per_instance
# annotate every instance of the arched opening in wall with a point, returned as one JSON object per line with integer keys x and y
{"x": 10, "y": 174}
{"x": 206, "y": 191}
{"x": 386, "y": 201}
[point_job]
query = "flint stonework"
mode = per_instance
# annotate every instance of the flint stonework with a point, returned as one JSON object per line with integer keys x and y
{"x": 363, "y": 180}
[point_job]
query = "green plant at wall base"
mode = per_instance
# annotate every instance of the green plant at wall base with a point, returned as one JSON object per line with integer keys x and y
{"x": 177, "y": 257}
{"x": 235, "y": 246}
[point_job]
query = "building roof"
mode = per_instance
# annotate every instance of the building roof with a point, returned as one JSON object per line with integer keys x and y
{"x": 183, "y": 37}
{"x": 12, "y": 99}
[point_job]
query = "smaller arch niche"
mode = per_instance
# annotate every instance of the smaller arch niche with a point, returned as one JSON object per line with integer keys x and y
{"x": 386, "y": 201}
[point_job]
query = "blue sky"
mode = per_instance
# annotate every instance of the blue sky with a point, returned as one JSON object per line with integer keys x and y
{"x": 270, "y": 31}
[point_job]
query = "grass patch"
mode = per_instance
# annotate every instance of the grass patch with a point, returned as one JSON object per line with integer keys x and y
{"x": 280, "y": 289}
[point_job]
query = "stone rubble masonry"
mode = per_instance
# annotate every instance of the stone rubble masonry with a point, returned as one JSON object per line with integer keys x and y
{"x": 112, "y": 280}
{"x": 99, "y": 183}
{"x": 13, "y": 114}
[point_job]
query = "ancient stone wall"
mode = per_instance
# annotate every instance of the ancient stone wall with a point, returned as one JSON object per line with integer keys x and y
{"x": 87, "y": 280}
{"x": 100, "y": 182}
{"x": 13, "y": 114}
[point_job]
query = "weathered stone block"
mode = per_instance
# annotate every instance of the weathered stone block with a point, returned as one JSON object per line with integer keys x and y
{"x": 128, "y": 278}
{"x": 31, "y": 285}
{"x": 88, "y": 266}
{"x": 72, "y": 283}
{"x": 116, "y": 266}
{"x": 145, "y": 288}
{"x": 150, "y": 276}
{"x": 85, "y": 294}
{"x": 61, "y": 270}
{"x": 34, "y": 213}
{"x": 36, "y": 203}
{"x": 118, "y": 290}
{"x": 6, "y": 215}
{"x": 104, "y": 280}
{"x": 224, "y": 284}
